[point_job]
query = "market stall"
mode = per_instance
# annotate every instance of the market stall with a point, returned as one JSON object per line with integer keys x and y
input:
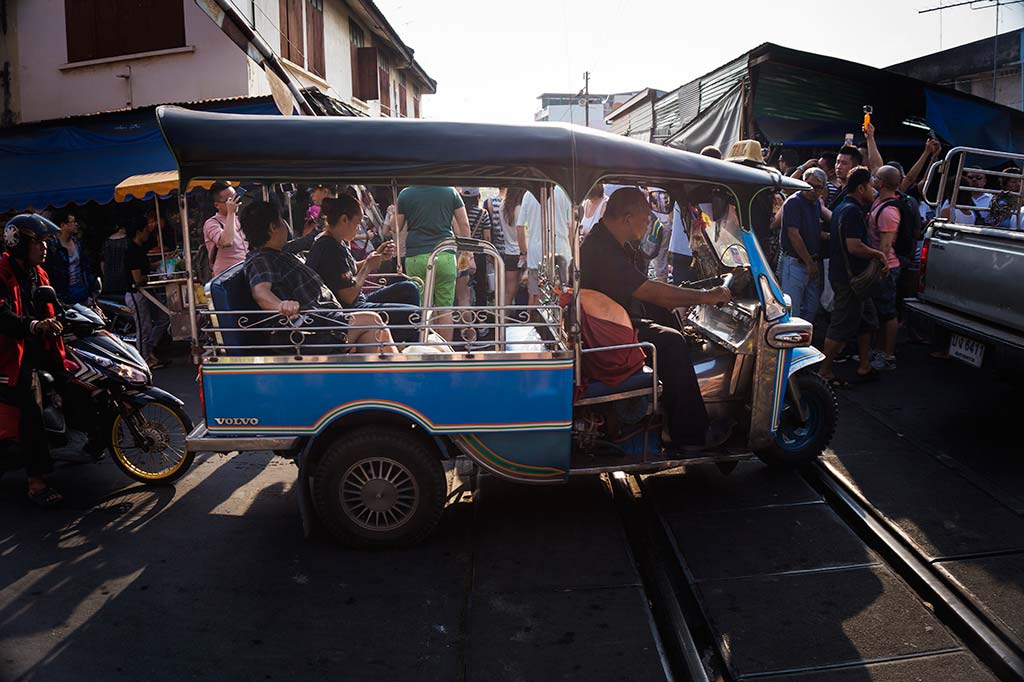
{"x": 170, "y": 282}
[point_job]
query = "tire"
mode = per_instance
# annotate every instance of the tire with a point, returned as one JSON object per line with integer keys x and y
{"x": 168, "y": 425}
{"x": 797, "y": 444}
{"x": 379, "y": 487}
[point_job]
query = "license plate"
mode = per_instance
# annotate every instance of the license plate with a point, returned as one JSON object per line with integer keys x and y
{"x": 967, "y": 350}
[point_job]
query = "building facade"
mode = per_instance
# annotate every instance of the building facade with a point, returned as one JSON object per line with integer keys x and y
{"x": 61, "y": 58}
{"x": 989, "y": 68}
{"x": 591, "y": 110}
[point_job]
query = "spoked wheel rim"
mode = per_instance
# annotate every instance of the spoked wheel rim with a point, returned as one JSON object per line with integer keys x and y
{"x": 794, "y": 435}
{"x": 379, "y": 494}
{"x": 161, "y": 451}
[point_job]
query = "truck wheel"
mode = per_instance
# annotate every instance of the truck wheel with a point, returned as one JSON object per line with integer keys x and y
{"x": 798, "y": 443}
{"x": 379, "y": 487}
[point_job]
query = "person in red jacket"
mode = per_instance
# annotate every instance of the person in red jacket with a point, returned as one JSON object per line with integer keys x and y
{"x": 30, "y": 340}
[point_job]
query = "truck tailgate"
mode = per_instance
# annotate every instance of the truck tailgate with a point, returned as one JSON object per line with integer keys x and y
{"x": 977, "y": 271}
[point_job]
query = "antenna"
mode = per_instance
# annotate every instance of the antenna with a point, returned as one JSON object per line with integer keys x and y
{"x": 981, "y": 4}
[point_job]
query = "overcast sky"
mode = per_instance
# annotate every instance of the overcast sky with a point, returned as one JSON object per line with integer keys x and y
{"x": 491, "y": 59}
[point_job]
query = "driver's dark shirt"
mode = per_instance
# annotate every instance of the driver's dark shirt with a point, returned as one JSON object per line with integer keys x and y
{"x": 609, "y": 267}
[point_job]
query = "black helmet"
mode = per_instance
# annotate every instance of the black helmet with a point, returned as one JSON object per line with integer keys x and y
{"x": 29, "y": 224}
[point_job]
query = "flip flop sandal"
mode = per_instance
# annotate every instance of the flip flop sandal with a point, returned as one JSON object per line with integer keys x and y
{"x": 837, "y": 383}
{"x": 45, "y": 497}
{"x": 867, "y": 377}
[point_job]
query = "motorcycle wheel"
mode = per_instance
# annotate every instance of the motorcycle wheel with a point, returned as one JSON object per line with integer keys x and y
{"x": 162, "y": 457}
{"x": 798, "y": 443}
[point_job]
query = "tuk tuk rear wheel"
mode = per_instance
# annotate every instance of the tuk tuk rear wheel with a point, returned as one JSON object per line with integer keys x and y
{"x": 797, "y": 442}
{"x": 379, "y": 487}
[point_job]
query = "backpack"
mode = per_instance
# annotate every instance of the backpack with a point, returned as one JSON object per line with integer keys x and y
{"x": 910, "y": 226}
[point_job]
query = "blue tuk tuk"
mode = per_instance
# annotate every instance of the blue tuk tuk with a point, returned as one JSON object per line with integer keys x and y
{"x": 373, "y": 433}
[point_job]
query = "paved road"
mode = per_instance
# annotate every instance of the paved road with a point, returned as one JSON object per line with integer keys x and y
{"x": 212, "y": 579}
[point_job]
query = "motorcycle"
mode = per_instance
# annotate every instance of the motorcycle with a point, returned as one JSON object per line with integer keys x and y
{"x": 108, "y": 394}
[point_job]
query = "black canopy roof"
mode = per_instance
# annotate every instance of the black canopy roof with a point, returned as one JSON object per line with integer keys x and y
{"x": 412, "y": 151}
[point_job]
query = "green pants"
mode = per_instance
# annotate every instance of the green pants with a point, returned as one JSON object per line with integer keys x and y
{"x": 444, "y": 275}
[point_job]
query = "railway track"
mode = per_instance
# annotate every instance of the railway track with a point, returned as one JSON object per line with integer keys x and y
{"x": 797, "y": 577}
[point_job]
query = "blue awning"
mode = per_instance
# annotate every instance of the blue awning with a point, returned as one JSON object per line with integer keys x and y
{"x": 55, "y": 164}
{"x": 968, "y": 123}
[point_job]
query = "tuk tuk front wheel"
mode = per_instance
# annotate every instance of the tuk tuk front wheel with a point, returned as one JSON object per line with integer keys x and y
{"x": 797, "y": 441}
{"x": 379, "y": 487}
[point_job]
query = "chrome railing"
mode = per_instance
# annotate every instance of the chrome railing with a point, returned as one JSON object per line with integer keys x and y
{"x": 324, "y": 331}
{"x": 466, "y": 245}
{"x": 952, "y": 170}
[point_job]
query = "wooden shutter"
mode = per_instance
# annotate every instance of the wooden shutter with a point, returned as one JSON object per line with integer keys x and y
{"x": 385, "y": 89}
{"x": 110, "y": 28}
{"x": 403, "y": 100}
{"x": 291, "y": 31}
{"x": 366, "y": 86}
{"x": 315, "y": 37}
{"x": 416, "y": 106}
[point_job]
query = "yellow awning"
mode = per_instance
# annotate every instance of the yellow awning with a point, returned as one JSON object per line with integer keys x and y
{"x": 162, "y": 183}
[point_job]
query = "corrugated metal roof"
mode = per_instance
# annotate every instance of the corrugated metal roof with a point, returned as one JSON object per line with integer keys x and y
{"x": 721, "y": 80}
{"x": 666, "y": 117}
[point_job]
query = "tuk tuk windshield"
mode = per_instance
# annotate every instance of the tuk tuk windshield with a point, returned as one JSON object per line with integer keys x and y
{"x": 726, "y": 237}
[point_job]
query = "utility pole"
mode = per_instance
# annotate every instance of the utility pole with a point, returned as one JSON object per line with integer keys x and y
{"x": 586, "y": 98}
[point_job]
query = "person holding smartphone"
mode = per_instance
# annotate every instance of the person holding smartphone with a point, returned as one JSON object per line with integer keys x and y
{"x": 225, "y": 243}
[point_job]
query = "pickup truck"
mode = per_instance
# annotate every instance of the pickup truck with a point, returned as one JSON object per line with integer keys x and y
{"x": 971, "y": 275}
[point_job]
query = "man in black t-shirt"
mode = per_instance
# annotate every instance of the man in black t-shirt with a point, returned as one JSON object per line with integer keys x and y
{"x": 609, "y": 264}
{"x": 151, "y": 323}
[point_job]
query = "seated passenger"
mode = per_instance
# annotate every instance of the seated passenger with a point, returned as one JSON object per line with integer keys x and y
{"x": 609, "y": 264}
{"x": 332, "y": 259}
{"x": 280, "y": 282}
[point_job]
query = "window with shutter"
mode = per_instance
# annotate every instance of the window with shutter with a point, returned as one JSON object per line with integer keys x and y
{"x": 416, "y": 106}
{"x": 403, "y": 100}
{"x": 315, "y": 37}
{"x": 365, "y": 86}
{"x": 97, "y": 29}
{"x": 385, "y": 84}
{"x": 291, "y": 32}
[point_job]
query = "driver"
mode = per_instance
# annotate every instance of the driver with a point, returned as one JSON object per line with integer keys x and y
{"x": 27, "y": 342}
{"x": 608, "y": 264}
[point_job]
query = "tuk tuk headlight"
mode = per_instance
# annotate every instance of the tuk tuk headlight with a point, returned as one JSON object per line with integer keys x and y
{"x": 774, "y": 309}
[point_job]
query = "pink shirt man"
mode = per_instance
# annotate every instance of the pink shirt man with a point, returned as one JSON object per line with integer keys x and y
{"x": 881, "y": 222}
{"x": 226, "y": 256}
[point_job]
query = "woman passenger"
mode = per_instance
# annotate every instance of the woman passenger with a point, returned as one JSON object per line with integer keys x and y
{"x": 331, "y": 258}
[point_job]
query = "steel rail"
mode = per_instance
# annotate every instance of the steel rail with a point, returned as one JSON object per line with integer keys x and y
{"x": 674, "y": 629}
{"x": 984, "y": 638}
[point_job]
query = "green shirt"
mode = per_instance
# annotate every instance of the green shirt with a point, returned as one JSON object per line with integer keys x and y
{"x": 428, "y": 215}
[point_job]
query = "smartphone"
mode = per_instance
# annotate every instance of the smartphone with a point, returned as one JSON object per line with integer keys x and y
{"x": 932, "y": 135}
{"x": 849, "y": 140}
{"x": 240, "y": 192}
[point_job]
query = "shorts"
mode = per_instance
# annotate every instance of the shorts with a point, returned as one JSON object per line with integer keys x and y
{"x": 851, "y": 316}
{"x": 533, "y": 275}
{"x": 511, "y": 262}
{"x": 444, "y": 277}
{"x": 885, "y": 298}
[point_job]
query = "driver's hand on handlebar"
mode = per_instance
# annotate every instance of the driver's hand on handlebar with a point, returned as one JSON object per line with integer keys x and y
{"x": 719, "y": 295}
{"x": 47, "y": 326}
{"x": 289, "y": 309}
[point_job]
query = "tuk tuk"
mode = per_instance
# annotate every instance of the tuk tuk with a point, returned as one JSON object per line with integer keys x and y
{"x": 372, "y": 433}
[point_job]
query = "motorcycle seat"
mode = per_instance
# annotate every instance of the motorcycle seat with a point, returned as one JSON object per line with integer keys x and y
{"x": 114, "y": 303}
{"x": 640, "y": 383}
